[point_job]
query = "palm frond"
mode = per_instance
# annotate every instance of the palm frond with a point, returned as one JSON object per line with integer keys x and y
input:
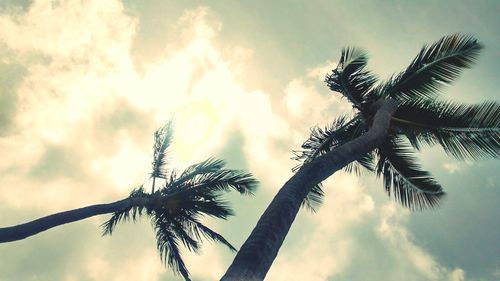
{"x": 211, "y": 175}
{"x": 439, "y": 64}
{"x": 350, "y": 77}
{"x": 403, "y": 178}
{"x": 208, "y": 166}
{"x": 338, "y": 133}
{"x": 182, "y": 231}
{"x": 324, "y": 140}
{"x": 125, "y": 214}
{"x": 321, "y": 140}
{"x": 204, "y": 203}
{"x": 314, "y": 198}
{"x": 202, "y": 230}
{"x": 464, "y": 131}
{"x": 167, "y": 244}
{"x": 162, "y": 140}
{"x": 175, "y": 220}
{"x": 109, "y": 226}
{"x": 366, "y": 162}
{"x": 186, "y": 220}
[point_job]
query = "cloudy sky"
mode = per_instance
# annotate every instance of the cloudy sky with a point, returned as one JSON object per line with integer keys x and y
{"x": 84, "y": 84}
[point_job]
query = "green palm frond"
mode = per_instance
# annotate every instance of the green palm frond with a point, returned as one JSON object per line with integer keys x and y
{"x": 162, "y": 140}
{"x": 324, "y": 140}
{"x": 404, "y": 179}
{"x": 366, "y": 163}
{"x": 314, "y": 198}
{"x": 197, "y": 201}
{"x": 211, "y": 174}
{"x": 208, "y": 166}
{"x": 350, "y": 77}
{"x": 167, "y": 244}
{"x": 436, "y": 65}
{"x": 336, "y": 134}
{"x": 175, "y": 220}
{"x": 109, "y": 226}
{"x": 125, "y": 214}
{"x": 201, "y": 230}
{"x": 184, "y": 234}
{"x": 464, "y": 131}
{"x": 170, "y": 231}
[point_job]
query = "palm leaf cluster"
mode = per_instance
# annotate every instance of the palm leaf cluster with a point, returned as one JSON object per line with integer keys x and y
{"x": 350, "y": 78}
{"x": 177, "y": 208}
{"x": 436, "y": 65}
{"x": 464, "y": 131}
{"x": 403, "y": 177}
{"x": 322, "y": 141}
{"x": 422, "y": 119}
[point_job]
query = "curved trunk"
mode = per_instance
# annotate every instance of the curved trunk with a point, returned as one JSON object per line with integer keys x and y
{"x": 21, "y": 231}
{"x": 253, "y": 260}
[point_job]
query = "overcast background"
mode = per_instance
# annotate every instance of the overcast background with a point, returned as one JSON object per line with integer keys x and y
{"x": 84, "y": 84}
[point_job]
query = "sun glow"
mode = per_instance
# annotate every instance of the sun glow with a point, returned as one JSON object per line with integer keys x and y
{"x": 195, "y": 124}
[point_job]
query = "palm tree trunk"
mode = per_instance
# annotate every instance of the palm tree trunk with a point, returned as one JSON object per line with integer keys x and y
{"x": 21, "y": 231}
{"x": 253, "y": 260}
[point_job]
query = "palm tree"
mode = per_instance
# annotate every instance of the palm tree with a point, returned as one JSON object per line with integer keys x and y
{"x": 175, "y": 209}
{"x": 390, "y": 121}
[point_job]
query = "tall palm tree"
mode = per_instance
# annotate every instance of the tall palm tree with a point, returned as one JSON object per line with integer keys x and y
{"x": 175, "y": 209}
{"x": 390, "y": 121}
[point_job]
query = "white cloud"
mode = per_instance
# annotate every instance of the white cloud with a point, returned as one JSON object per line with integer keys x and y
{"x": 456, "y": 274}
{"x": 86, "y": 44}
{"x": 91, "y": 31}
{"x": 64, "y": 99}
{"x": 451, "y": 167}
{"x": 414, "y": 262}
{"x": 302, "y": 100}
{"x": 145, "y": 266}
{"x": 321, "y": 71}
{"x": 208, "y": 264}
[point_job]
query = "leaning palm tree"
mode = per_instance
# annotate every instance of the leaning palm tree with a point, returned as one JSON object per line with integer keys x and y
{"x": 175, "y": 208}
{"x": 390, "y": 121}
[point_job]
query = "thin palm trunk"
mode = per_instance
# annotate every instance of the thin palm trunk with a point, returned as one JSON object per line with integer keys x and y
{"x": 21, "y": 231}
{"x": 257, "y": 254}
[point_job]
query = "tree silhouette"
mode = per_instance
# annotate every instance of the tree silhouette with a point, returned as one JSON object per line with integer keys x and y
{"x": 175, "y": 209}
{"x": 390, "y": 121}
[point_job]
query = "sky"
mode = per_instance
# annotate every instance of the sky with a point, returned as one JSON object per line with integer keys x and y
{"x": 84, "y": 84}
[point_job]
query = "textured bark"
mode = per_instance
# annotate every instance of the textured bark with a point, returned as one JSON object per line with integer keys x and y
{"x": 21, "y": 231}
{"x": 257, "y": 254}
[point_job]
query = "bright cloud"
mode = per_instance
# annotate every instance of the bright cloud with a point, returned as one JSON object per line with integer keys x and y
{"x": 451, "y": 167}
{"x": 192, "y": 84}
{"x": 414, "y": 262}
